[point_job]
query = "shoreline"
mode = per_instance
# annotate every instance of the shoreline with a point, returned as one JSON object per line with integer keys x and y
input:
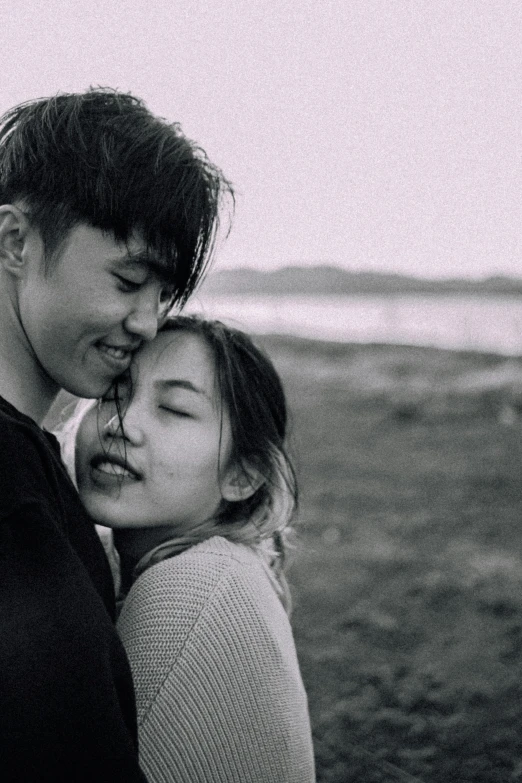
{"x": 378, "y": 346}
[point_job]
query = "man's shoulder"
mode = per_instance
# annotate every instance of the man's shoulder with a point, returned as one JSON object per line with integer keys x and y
{"x": 29, "y": 462}
{"x": 12, "y": 421}
{"x": 22, "y": 440}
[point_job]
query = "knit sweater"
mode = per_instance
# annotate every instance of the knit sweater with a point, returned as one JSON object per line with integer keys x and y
{"x": 219, "y": 693}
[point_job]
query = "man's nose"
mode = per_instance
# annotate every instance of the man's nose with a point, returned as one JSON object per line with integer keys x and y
{"x": 144, "y": 320}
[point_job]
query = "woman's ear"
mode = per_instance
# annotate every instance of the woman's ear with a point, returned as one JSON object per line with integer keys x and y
{"x": 240, "y": 483}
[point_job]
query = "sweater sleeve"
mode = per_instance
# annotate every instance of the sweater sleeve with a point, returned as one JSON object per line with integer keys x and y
{"x": 219, "y": 692}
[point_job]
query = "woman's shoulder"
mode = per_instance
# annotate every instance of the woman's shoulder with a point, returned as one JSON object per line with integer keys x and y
{"x": 243, "y": 599}
{"x": 195, "y": 577}
{"x": 214, "y": 599}
{"x": 215, "y": 576}
{"x": 220, "y": 547}
{"x": 213, "y": 656}
{"x": 215, "y": 595}
{"x": 209, "y": 560}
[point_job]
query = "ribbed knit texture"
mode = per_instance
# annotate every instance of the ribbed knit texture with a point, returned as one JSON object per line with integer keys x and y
{"x": 219, "y": 693}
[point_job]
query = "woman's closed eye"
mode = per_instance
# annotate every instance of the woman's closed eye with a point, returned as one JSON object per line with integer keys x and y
{"x": 176, "y": 411}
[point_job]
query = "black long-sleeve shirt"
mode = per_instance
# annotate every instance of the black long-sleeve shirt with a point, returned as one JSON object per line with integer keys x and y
{"x": 67, "y": 710}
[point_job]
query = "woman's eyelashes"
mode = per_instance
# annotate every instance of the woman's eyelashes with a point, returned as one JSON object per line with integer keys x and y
{"x": 176, "y": 411}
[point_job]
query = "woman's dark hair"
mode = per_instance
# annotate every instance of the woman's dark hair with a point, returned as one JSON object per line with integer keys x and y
{"x": 100, "y": 157}
{"x": 249, "y": 388}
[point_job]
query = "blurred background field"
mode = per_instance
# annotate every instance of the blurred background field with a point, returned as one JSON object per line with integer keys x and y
{"x": 408, "y": 574}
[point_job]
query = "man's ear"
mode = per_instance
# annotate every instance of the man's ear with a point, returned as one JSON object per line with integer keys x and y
{"x": 241, "y": 483}
{"x": 14, "y": 232}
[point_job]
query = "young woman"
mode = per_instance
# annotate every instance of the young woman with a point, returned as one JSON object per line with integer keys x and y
{"x": 186, "y": 463}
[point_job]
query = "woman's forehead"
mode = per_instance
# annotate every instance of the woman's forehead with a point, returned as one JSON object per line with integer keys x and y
{"x": 177, "y": 355}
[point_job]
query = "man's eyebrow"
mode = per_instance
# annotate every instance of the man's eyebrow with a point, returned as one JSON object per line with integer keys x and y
{"x": 180, "y": 383}
{"x": 155, "y": 265}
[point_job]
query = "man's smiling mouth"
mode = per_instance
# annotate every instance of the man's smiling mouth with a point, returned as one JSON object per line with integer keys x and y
{"x": 118, "y": 353}
{"x": 117, "y": 357}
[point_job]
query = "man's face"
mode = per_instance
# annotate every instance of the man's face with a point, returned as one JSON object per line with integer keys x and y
{"x": 84, "y": 319}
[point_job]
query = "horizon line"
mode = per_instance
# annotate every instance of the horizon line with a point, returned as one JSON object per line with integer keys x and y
{"x": 484, "y": 277}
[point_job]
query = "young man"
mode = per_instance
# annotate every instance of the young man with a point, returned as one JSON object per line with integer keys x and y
{"x": 108, "y": 216}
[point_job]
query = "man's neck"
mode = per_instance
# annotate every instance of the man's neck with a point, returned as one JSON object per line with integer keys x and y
{"x": 29, "y": 401}
{"x": 23, "y": 381}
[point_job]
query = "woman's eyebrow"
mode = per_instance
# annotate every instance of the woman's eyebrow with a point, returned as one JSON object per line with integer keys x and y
{"x": 180, "y": 383}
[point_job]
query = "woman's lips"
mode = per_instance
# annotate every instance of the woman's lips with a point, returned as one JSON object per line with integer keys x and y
{"x": 109, "y": 470}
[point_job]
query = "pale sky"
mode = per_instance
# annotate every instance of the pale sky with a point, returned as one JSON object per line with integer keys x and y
{"x": 377, "y": 135}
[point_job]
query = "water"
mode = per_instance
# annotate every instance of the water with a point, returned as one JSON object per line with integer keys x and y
{"x": 458, "y": 322}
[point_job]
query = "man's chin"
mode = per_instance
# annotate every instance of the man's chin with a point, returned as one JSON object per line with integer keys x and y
{"x": 88, "y": 389}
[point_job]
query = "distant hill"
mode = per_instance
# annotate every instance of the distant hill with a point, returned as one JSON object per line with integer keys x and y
{"x": 337, "y": 281}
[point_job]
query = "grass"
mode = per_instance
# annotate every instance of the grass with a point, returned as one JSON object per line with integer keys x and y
{"x": 407, "y": 580}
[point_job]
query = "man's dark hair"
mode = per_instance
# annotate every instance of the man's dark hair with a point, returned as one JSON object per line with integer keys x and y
{"x": 101, "y": 158}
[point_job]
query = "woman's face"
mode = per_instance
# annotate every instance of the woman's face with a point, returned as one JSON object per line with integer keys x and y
{"x": 175, "y": 439}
